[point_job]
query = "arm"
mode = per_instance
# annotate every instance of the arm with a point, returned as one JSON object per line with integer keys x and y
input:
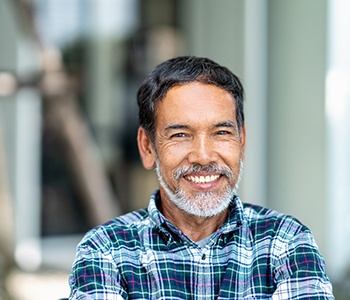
{"x": 300, "y": 271}
{"x": 95, "y": 276}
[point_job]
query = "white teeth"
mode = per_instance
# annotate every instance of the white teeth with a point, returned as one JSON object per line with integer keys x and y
{"x": 203, "y": 179}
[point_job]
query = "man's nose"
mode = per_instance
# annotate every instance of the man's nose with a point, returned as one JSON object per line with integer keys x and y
{"x": 203, "y": 151}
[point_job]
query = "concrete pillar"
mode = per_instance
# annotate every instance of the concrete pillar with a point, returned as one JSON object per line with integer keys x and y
{"x": 296, "y": 119}
{"x": 20, "y": 117}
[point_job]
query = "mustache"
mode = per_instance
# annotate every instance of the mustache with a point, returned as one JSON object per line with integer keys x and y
{"x": 197, "y": 168}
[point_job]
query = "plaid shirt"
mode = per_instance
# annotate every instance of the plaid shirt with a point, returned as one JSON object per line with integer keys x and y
{"x": 256, "y": 254}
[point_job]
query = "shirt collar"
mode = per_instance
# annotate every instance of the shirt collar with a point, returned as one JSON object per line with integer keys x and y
{"x": 155, "y": 215}
{"x": 234, "y": 220}
{"x": 235, "y": 216}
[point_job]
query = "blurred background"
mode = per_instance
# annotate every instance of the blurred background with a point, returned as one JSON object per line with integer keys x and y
{"x": 69, "y": 72}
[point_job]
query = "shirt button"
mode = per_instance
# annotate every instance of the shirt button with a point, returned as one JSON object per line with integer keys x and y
{"x": 204, "y": 256}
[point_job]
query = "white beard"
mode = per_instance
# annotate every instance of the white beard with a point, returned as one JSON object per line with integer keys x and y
{"x": 203, "y": 204}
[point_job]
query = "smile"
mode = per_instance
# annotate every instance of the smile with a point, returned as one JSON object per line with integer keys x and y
{"x": 202, "y": 179}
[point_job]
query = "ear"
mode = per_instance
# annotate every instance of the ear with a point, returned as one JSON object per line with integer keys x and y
{"x": 146, "y": 150}
{"x": 243, "y": 141}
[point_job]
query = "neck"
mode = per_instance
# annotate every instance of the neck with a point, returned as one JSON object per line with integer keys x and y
{"x": 196, "y": 228}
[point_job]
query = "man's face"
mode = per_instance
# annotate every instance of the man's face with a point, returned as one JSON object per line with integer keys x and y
{"x": 198, "y": 148}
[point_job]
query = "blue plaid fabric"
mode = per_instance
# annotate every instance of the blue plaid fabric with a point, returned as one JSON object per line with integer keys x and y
{"x": 256, "y": 254}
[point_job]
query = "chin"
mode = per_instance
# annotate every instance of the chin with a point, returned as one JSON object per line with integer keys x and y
{"x": 203, "y": 205}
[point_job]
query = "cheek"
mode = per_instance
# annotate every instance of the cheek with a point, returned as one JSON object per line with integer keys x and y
{"x": 170, "y": 161}
{"x": 231, "y": 156}
{"x": 173, "y": 153}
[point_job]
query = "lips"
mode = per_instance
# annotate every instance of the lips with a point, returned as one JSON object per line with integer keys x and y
{"x": 202, "y": 179}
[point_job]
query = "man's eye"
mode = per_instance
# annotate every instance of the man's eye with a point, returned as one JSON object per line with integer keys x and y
{"x": 178, "y": 135}
{"x": 223, "y": 132}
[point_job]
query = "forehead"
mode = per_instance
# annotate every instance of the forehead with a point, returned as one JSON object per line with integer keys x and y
{"x": 197, "y": 101}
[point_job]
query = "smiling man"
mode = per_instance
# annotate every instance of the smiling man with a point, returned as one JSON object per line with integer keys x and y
{"x": 196, "y": 239}
{"x": 198, "y": 156}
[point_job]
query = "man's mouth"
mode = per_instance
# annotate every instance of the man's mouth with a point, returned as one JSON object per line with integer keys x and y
{"x": 202, "y": 178}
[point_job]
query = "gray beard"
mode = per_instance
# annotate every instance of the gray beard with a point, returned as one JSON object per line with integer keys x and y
{"x": 203, "y": 204}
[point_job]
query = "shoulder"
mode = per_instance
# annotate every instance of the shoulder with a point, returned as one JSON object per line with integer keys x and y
{"x": 284, "y": 236}
{"x": 117, "y": 231}
{"x": 264, "y": 222}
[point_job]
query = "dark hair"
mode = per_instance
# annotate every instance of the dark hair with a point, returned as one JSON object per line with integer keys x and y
{"x": 183, "y": 70}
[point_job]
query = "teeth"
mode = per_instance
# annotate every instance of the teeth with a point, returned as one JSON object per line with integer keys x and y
{"x": 203, "y": 179}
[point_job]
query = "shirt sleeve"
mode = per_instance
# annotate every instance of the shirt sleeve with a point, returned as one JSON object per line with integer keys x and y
{"x": 95, "y": 276}
{"x": 300, "y": 271}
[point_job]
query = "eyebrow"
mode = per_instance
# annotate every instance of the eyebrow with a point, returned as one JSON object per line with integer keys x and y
{"x": 176, "y": 126}
{"x": 226, "y": 124}
{"x": 182, "y": 126}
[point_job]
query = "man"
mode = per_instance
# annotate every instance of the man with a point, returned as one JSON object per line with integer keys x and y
{"x": 197, "y": 240}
